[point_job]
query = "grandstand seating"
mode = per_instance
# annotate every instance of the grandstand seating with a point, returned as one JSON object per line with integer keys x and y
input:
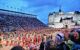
{"x": 14, "y": 22}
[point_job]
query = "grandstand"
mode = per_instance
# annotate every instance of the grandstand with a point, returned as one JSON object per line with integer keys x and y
{"x": 18, "y": 21}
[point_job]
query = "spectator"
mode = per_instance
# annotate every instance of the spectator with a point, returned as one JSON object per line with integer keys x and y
{"x": 75, "y": 37}
{"x": 60, "y": 42}
{"x": 42, "y": 45}
{"x": 49, "y": 45}
{"x": 32, "y": 46}
{"x": 17, "y": 48}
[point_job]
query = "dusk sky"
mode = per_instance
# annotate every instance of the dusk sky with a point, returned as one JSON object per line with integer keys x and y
{"x": 41, "y": 8}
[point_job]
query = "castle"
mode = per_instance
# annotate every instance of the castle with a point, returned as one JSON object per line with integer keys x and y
{"x": 64, "y": 19}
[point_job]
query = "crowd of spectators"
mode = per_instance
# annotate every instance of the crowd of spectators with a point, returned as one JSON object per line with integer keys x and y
{"x": 18, "y": 22}
{"x": 36, "y": 39}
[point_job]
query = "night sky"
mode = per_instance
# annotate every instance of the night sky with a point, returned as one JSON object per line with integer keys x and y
{"x": 41, "y": 8}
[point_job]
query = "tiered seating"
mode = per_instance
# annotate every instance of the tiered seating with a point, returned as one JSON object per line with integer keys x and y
{"x": 23, "y": 23}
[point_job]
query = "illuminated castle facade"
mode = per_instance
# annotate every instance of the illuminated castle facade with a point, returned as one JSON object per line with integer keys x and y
{"x": 64, "y": 19}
